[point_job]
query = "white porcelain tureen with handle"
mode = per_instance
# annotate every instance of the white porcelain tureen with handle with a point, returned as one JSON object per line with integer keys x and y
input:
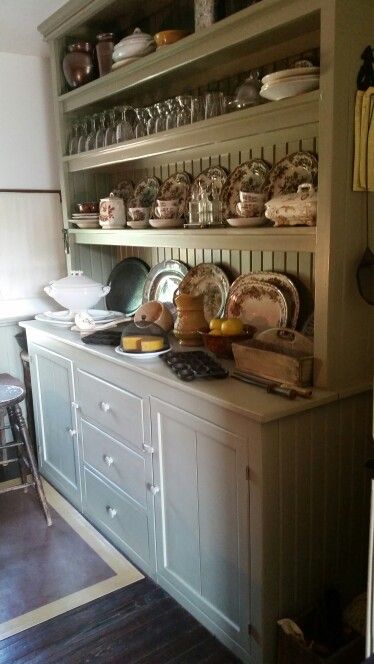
{"x": 76, "y": 292}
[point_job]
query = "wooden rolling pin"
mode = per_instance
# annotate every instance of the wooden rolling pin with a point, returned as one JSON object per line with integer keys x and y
{"x": 284, "y": 390}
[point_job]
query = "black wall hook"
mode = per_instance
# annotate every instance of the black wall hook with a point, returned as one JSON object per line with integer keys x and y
{"x": 365, "y": 77}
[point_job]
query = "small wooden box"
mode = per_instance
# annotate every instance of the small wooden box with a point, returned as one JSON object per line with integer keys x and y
{"x": 264, "y": 360}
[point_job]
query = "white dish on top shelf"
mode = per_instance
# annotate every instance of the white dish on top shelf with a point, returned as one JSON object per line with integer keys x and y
{"x": 246, "y": 222}
{"x": 289, "y": 73}
{"x": 167, "y": 223}
{"x": 86, "y": 223}
{"x": 289, "y": 87}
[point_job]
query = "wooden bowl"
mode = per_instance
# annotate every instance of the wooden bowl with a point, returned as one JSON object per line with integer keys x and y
{"x": 221, "y": 345}
{"x": 157, "y": 313}
{"x": 167, "y": 37}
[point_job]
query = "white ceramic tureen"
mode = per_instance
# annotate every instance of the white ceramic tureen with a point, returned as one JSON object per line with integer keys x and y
{"x": 76, "y": 292}
{"x": 135, "y": 45}
{"x": 295, "y": 209}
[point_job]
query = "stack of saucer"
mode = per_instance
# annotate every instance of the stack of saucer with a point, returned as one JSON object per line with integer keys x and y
{"x": 86, "y": 220}
{"x": 290, "y": 82}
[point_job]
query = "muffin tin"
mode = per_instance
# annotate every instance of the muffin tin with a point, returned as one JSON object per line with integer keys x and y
{"x": 189, "y": 365}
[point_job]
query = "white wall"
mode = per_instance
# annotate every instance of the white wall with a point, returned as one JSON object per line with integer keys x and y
{"x": 28, "y": 148}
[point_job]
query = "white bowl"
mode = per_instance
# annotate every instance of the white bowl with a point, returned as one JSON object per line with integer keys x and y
{"x": 289, "y": 87}
{"x": 76, "y": 292}
{"x": 166, "y": 223}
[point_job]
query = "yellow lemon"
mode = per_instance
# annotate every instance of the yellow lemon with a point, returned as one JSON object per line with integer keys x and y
{"x": 232, "y": 326}
{"x": 215, "y": 323}
{"x": 215, "y": 333}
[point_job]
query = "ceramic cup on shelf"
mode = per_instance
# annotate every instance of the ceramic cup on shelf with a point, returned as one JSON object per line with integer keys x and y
{"x": 112, "y": 211}
{"x": 249, "y": 209}
{"x": 252, "y": 197}
{"x": 139, "y": 213}
{"x": 167, "y": 212}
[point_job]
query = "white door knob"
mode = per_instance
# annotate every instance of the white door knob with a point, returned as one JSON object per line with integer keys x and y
{"x": 108, "y": 460}
{"x": 105, "y": 406}
{"x": 72, "y": 432}
{"x": 111, "y": 511}
{"x": 154, "y": 489}
{"x": 148, "y": 448}
{"x": 75, "y": 405}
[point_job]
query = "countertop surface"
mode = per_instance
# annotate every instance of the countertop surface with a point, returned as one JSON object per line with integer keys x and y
{"x": 250, "y": 401}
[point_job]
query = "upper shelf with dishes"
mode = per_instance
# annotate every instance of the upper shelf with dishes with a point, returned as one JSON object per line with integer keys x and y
{"x": 232, "y": 45}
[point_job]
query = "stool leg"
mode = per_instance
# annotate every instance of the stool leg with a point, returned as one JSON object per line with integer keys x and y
{"x": 16, "y": 439}
{"x": 17, "y": 419}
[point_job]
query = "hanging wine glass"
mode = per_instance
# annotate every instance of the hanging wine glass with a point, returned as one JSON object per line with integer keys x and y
{"x": 125, "y": 127}
{"x": 141, "y": 122}
{"x": 197, "y": 109}
{"x": 91, "y": 136}
{"x": 151, "y": 122}
{"x": 73, "y": 138}
{"x": 110, "y": 131}
{"x": 83, "y": 133}
{"x": 160, "y": 123}
{"x": 184, "y": 110}
{"x": 100, "y": 134}
{"x": 171, "y": 113}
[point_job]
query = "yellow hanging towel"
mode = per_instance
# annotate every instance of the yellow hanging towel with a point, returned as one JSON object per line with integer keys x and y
{"x": 363, "y": 171}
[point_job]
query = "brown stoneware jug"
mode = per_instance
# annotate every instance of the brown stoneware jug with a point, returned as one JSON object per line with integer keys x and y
{"x": 190, "y": 318}
{"x": 77, "y": 64}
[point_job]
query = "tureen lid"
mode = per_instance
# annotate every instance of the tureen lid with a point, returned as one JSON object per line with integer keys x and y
{"x": 137, "y": 37}
{"x": 76, "y": 279}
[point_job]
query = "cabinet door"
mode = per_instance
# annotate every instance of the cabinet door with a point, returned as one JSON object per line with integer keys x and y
{"x": 53, "y": 392}
{"x": 202, "y": 513}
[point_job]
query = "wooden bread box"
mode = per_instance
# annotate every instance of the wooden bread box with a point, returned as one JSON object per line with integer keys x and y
{"x": 274, "y": 362}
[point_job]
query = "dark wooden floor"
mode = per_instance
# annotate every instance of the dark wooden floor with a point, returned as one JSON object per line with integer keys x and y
{"x": 139, "y": 624}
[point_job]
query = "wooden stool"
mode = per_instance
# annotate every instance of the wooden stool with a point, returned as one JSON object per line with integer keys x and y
{"x": 12, "y": 392}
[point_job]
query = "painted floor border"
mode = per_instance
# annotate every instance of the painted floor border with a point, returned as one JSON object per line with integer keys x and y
{"x": 125, "y": 572}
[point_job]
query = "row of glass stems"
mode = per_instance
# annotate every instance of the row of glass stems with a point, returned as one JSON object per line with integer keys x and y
{"x": 122, "y": 123}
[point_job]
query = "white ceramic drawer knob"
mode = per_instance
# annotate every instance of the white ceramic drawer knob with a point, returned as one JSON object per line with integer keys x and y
{"x": 105, "y": 406}
{"x": 108, "y": 460}
{"x": 154, "y": 489}
{"x": 148, "y": 448}
{"x": 72, "y": 432}
{"x": 111, "y": 511}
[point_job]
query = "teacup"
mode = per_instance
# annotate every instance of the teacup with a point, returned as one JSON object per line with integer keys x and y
{"x": 252, "y": 197}
{"x": 139, "y": 213}
{"x": 166, "y": 202}
{"x": 167, "y": 211}
{"x": 245, "y": 209}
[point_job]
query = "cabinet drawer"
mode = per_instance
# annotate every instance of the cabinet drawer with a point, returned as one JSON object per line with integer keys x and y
{"x": 119, "y": 516}
{"x": 115, "y": 461}
{"x": 114, "y": 409}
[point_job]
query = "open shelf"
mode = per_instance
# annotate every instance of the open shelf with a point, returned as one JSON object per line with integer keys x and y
{"x": 262, "y": 238}
{"x": 272, "y": 116}
{"x": 214, "y": 50}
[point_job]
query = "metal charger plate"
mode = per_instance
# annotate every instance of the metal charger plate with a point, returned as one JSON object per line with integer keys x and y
{"x": 126, "y": 285}
{"x": 162, "y": 281}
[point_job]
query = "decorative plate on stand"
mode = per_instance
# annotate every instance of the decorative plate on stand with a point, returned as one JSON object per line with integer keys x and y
{"x": 162, "y": 282}
{"x": 250, "y": 176}
{"x": 256, "y": 303}
{"x": 146, "y": 192}
{"x": 291, "y": 171}
{"x": 206, "y": 176}
{"x": 207, "y": 279}
{"x": 126, "y": 285}
{"x": 286, "y": 286}
{"x": 177, "y": 186}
